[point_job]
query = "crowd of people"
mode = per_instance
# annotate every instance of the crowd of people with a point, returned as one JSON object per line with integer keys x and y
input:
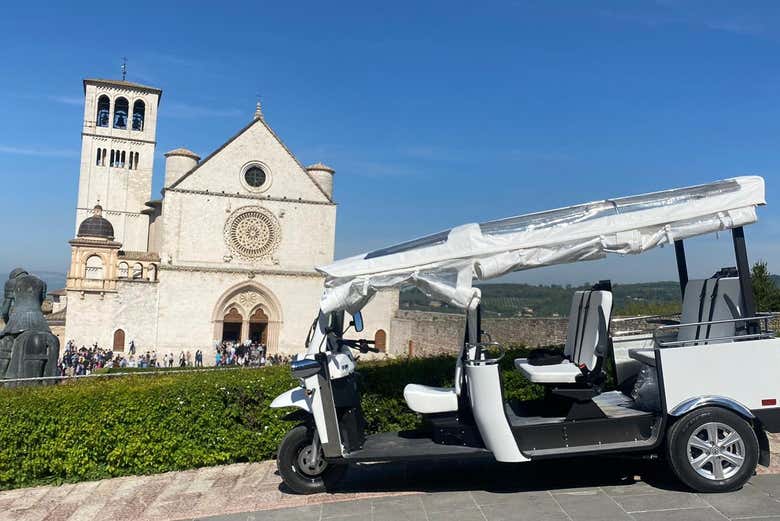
{"x": 82, "y": 361}
{"x": 247, "y": 354}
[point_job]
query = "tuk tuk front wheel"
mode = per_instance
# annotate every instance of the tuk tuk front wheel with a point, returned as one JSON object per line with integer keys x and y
{"x": 712, "y": 450}
{"x": 300, "y": 469}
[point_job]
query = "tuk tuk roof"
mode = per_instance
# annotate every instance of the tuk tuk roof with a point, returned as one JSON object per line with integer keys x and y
{"x": 443, "y": 265}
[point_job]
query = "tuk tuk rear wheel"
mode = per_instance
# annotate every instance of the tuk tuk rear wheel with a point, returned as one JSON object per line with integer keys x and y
{"x": 296, "y": 465}
{"x": 712, "y": 450}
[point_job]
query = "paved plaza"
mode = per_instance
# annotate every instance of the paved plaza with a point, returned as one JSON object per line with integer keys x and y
{"x": 597, "y": 489}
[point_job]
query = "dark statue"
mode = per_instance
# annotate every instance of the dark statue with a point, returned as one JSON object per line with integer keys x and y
{"x": 28, "y": 349}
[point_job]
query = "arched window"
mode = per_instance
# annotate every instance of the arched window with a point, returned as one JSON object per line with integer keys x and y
{"x": 139, "y": 111}
{"x": 94, "y": 268}
{"x": 152, "y": 272}
{"x": 136, "y": 160}
{"x": 103, "y": 159}
{"x": 380, "y": 340}
{"x": 119, "y": 340}
{"x": 122, "y": 160}
{"x": 103, "y": 109}
{"x": 130, "y": 163}
{"x": 97, "y": 161}
{"x": 120, "y": 113}
{"x": 138, "y": 270}
{"x": 111, "y": 161}
{"x": 123, "y": 270}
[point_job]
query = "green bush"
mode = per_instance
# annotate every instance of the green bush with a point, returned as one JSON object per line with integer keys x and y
{"x": 97, "y": 428}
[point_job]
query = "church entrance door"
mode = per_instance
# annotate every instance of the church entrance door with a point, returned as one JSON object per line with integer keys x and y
{"x": 119, "y": 340}
{"x": 231, "y": 326}
{"x": 258, "y": 327}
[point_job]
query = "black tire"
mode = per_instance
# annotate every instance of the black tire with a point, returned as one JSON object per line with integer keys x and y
{"x": 301, "y": 480}
{"x": 718, "y": 473}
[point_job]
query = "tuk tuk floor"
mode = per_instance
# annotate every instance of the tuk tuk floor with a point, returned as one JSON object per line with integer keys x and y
{"x": 598, "y": 489}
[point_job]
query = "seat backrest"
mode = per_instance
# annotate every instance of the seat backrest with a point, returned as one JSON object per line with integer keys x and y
{"x": 707, "y": 300}
{"x": 588, "y": 330}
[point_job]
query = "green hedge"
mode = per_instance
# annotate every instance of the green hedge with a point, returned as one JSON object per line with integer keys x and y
{"x": 93, "y": 429}
{"x": 110, "y": 370}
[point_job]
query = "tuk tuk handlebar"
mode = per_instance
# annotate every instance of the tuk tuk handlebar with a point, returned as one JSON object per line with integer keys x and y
{"x": 364, "y": 346}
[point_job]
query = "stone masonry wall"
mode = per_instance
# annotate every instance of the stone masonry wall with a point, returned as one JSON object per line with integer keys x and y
{"x": 438, "y": 333}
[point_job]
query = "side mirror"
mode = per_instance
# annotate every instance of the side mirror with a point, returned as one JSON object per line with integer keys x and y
{"x": 304, "y": 368}
{"x": 357, "y": 321}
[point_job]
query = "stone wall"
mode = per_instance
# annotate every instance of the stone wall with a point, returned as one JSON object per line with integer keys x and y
{"x": 436, "y": 333}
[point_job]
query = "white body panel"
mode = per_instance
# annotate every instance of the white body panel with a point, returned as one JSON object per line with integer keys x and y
{"x": 292, "y": 398}
{"x": 745, "y": 372}
{"x": 487, "y": 404}
{"x": 313, "y": 385}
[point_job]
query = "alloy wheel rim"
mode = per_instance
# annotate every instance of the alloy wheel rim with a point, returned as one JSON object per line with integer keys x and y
{"x": 306, "y": 462}
{"x": 716, "y": 451}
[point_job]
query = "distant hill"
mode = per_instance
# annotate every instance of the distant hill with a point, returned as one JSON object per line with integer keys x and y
{"x": 509, "y": 300}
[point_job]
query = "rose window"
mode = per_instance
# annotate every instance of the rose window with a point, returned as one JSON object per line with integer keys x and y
{"x": 252, "y": 233}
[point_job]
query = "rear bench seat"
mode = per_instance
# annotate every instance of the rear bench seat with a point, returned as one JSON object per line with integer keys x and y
{"x": 705, "y": 300}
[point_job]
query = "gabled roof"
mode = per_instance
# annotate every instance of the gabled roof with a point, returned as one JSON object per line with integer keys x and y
{"x": 238, "y": 134}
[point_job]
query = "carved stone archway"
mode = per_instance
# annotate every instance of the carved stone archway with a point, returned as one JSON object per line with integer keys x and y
{"x": 259, "y": 311}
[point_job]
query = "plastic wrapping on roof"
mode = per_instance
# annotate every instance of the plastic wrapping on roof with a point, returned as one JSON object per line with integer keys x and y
{"x": 443, "y": 265}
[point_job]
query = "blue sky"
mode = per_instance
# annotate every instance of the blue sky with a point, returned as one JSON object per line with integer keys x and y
{"x": 433, "y": 114}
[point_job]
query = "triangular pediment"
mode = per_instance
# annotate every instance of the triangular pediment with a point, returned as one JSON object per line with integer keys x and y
{"x": 254, "y": 145}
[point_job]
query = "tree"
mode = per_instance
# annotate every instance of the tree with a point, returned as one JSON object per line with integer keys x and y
{"x": 765, "y": 291}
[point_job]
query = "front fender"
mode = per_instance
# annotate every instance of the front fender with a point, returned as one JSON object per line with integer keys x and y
{"x": 293, "y": 398}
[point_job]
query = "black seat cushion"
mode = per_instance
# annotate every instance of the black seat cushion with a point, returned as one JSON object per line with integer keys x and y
{"x": 545, "y": 357}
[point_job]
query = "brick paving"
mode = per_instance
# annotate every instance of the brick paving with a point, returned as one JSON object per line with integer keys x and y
{"x": 598, "y": 489}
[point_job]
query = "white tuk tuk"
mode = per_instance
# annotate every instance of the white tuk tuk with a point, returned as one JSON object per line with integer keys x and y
{"x": 703, "y": 392}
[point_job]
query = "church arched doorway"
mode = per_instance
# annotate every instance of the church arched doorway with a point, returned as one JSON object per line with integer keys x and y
{"x": 248, "y": 312}
{"x": 258, "y": 327}
{"x": 231, "y": 326}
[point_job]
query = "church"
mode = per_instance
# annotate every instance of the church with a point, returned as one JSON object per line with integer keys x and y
{"x": 227, "y": 253}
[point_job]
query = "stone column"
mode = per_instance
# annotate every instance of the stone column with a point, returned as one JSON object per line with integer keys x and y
{"x": 218, "y": 331}
{"x": 245, "y": 330}
{"x": 273, "y": 336}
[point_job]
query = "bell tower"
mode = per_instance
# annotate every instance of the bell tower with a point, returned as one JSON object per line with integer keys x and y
{"x": 117, "y": 156}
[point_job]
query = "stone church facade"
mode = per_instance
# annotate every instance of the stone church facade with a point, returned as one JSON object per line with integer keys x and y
{"x": 227, "y": 253}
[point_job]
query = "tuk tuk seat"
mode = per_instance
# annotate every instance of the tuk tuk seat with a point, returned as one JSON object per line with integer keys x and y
{"x": 707, "y": 300}
{"x": 430, "y": 400}
{"x": 587, "y": 340}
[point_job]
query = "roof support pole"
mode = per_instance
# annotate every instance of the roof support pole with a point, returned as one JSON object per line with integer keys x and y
{"x": 743, "y": 267}
{"x": 479, "y": 323}
{"x": 682, "y": 265}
